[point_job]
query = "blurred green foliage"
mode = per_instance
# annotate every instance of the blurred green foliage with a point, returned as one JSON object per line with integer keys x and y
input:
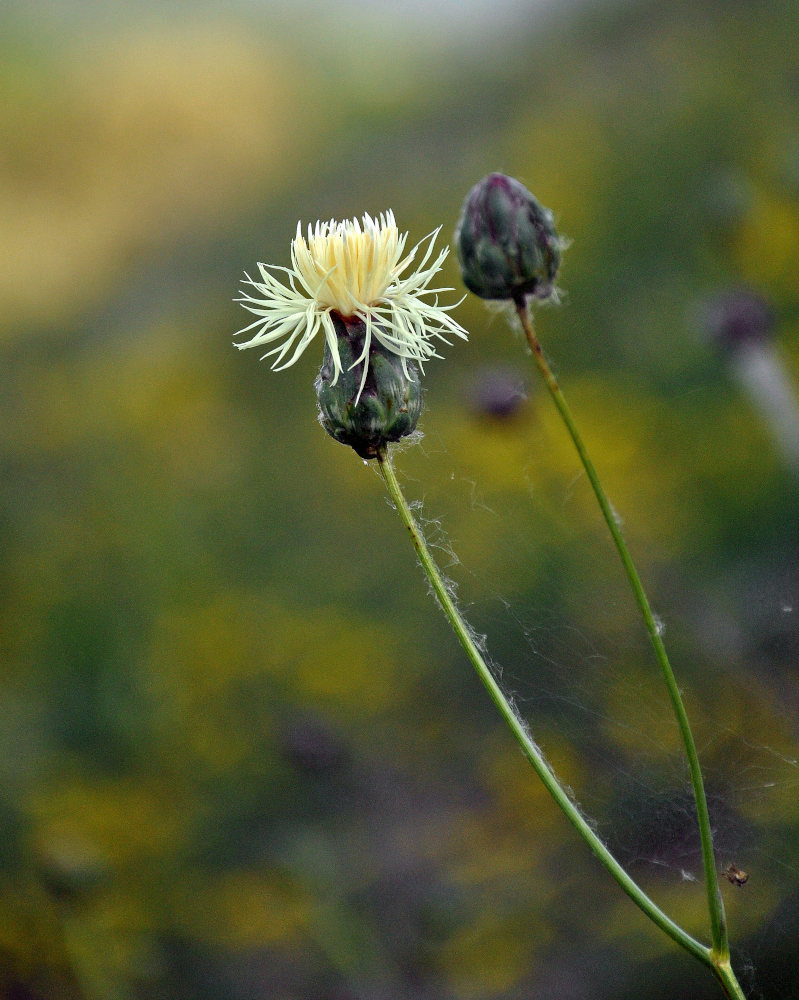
{"x": 241, "y": 754}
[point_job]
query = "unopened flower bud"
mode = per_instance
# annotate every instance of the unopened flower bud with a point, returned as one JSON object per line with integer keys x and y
{"x": 506, "y": 241}
{"x": 366, "y": 412}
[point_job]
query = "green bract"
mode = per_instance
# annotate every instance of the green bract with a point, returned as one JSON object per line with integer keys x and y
{"x": 506, "y": 241}
{"x": 366, "y": 413}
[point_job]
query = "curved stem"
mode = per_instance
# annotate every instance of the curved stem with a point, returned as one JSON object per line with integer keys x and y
{"x": 523, "y": 738}
{"x": 718, "y": 922}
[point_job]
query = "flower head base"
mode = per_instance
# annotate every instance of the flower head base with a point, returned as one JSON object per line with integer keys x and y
{"x": 356, "y": 273}
{"x": 367, "y": 408}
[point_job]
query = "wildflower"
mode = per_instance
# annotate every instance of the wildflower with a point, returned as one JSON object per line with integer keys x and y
{"x": 506, "y": 242}
{"x": 342, "y": 271}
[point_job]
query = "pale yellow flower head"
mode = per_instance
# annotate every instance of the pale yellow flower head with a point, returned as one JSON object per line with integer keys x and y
{"x": 356, "y": 270}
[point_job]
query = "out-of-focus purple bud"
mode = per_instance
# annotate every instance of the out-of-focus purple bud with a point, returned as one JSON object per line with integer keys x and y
{"x": 735, "y": 318}
{"x": 498, "y": 392}
{"x": 742, "y": 324}
{"x": 506, "y": 241}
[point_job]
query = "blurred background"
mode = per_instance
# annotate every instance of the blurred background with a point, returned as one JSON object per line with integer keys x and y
{"x": 241, "y": 754}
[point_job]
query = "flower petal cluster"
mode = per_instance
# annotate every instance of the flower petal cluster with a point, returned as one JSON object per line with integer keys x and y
{"x": 359, "y": 272}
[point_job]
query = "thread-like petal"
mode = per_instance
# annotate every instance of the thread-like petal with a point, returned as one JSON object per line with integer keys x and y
{"x": 354, "y": 269}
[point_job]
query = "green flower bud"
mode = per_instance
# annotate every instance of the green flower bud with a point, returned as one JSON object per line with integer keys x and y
{"x": 506, "y": 241}
{"x": 366, "y": 413}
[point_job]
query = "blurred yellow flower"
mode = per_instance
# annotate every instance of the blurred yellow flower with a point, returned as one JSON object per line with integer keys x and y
{"x": 356, "y": 273}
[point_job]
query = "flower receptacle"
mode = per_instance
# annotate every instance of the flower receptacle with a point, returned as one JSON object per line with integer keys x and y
{"x": 367, "y": 413}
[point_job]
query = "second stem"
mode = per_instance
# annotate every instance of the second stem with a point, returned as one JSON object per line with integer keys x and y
{"x": 718, "y": 922}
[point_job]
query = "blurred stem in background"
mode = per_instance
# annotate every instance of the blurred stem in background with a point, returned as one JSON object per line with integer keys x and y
{"x": 762, "y": 374}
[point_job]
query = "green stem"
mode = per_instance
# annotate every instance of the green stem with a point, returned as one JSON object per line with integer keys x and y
{"x": 718, "y": 922}
{"x": 525, "y": 741}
